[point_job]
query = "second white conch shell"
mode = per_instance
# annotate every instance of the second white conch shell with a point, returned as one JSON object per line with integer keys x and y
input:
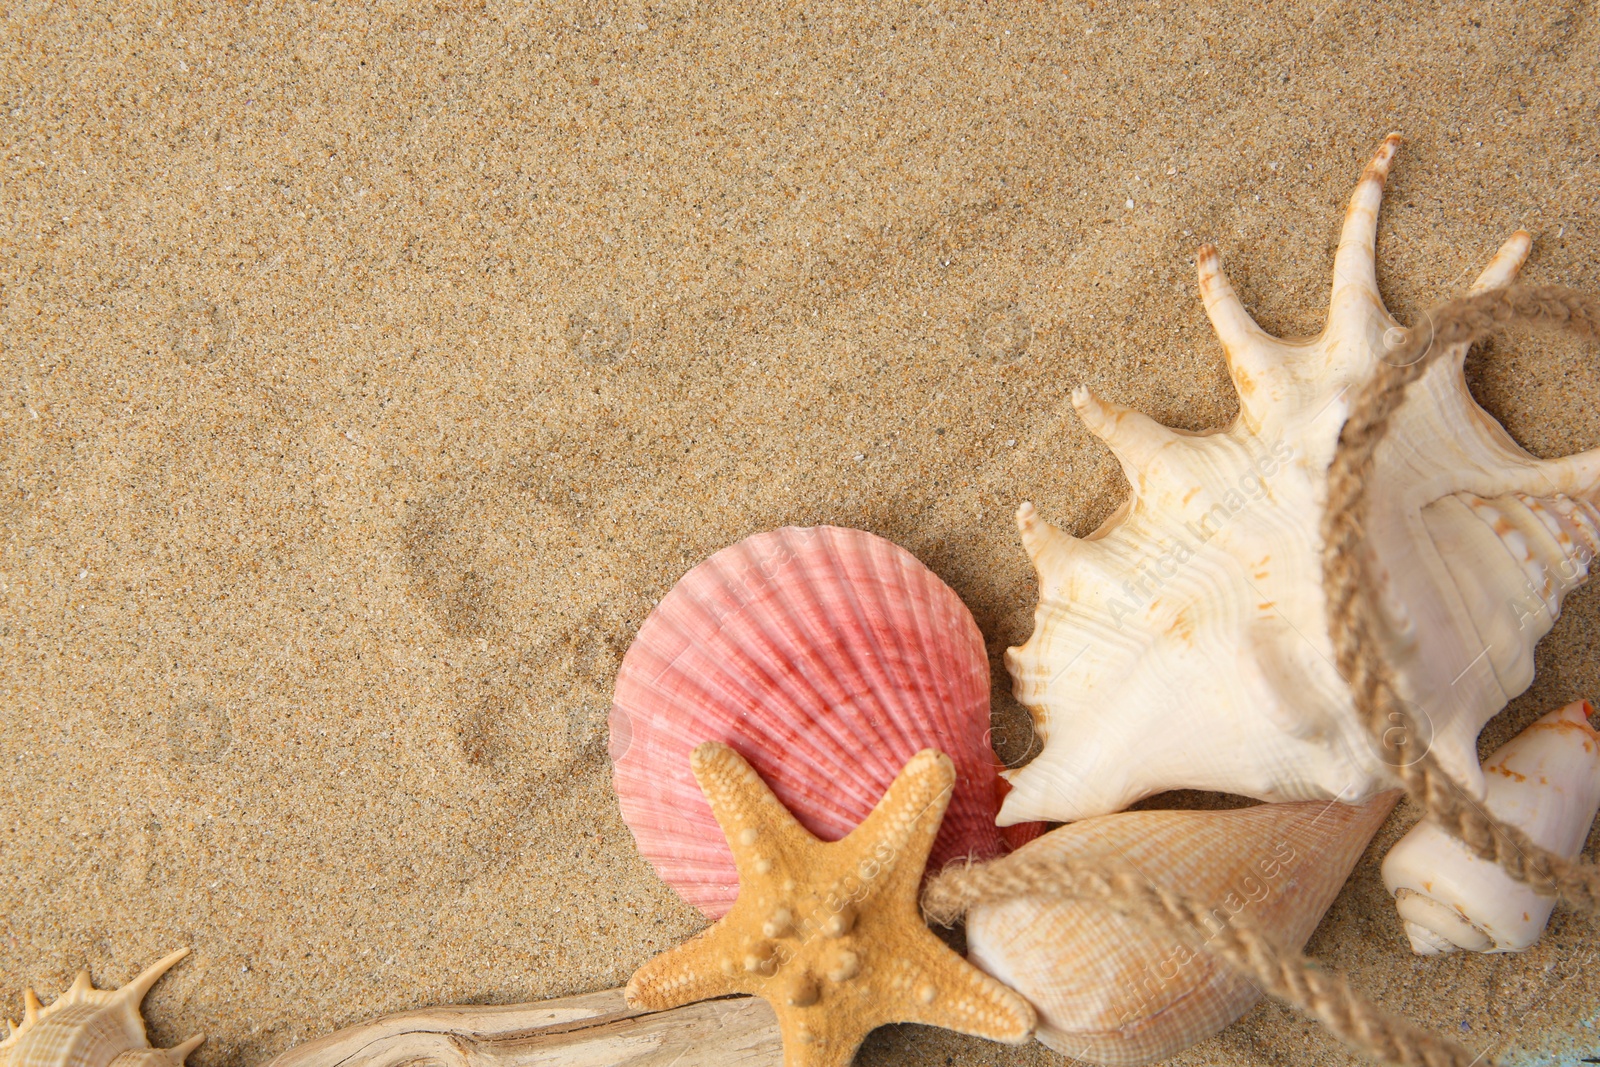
{"x": 1184, "y": 644}
{"x": 1546, "y": 782}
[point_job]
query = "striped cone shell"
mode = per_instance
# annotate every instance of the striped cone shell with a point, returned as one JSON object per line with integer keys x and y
{"x": 1110, "y": 991}
{"x": 827, "y": 658}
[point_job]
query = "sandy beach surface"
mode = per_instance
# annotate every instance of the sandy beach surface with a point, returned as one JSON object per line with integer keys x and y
{"x": 367, "y": 373}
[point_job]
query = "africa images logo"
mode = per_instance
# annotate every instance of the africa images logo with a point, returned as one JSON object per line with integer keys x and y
{"x": 1153, "y": 573}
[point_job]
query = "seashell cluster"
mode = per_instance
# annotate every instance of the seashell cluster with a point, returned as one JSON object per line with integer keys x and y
{"x": 827, "y": 658}
{"x": 1195, "y": 613}
{"x": 89, "y": 1027}
{"x": 1110, "y": 991}
{"x": 1546, "y": 782}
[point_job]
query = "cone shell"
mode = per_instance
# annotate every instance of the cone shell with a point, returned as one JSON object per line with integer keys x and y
{"x": 89, "y": 1027}
{"x": 827, "y": 658}
{"x": 1110, "y": 991}
{"x": 1546, "y": 782}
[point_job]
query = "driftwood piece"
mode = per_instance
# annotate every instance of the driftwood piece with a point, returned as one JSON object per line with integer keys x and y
{"x": 592, "y": 1030}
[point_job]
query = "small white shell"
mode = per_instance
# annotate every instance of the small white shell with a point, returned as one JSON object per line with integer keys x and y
{"x": 89, "y": 1027}
{"x": 1546, "y": 782}
{"x": 1112, "y": 992}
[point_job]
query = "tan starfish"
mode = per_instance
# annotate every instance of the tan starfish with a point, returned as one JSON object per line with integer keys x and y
{"x": 830, "y": 934}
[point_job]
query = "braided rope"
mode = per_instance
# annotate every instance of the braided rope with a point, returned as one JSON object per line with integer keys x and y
{"x": 1354, "y": 627}
{"x": 1348, "y": 575}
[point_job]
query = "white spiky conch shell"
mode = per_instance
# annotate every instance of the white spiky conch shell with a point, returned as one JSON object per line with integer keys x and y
{"x": 1184, "y": 643}
{"x": 1111, "y": 991}
{"x": 1546, "y": 782}
{"x": 89, "y": 1027}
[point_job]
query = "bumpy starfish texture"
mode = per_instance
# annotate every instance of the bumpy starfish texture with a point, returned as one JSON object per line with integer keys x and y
{"x": 830, "y": 934}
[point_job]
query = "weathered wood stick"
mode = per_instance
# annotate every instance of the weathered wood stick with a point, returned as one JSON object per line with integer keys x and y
{"x": 592, "y": 1030}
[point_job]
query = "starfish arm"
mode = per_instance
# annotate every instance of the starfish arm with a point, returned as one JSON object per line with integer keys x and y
{"x": 939, "y": 988}
{"x": 759, "y": 829}
{"x": 803, "y": 1046}
{"x": 901, "y": 829}
{"x": 693, "y": 971}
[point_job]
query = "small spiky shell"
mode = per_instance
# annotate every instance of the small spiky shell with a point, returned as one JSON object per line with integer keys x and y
{"x": 89, "y": 1027}
{"x": 1185, "y": 644}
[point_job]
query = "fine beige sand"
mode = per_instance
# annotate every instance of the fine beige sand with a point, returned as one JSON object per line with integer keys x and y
{"x": 366, "y": 374}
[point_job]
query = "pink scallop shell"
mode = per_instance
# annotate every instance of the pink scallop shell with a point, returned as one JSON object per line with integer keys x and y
{"x": 827, "y": 658}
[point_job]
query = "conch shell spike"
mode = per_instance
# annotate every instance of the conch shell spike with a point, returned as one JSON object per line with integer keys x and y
{"x": 179, "y": 1052}
{"x": 1355, "y": 272}
{"x": 1502, "y": 270}
{"x": 80, "y": 985}
{"x": 30, "y": 1006}
{"x": 1132, "y": 437}
{"x": 1577, "y": 475}
{"x": 1049, "y": 547}
{"x": 1250, "y": 350}
{"x": 134, "y": 992}
{"x": 1238, "y": 332}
